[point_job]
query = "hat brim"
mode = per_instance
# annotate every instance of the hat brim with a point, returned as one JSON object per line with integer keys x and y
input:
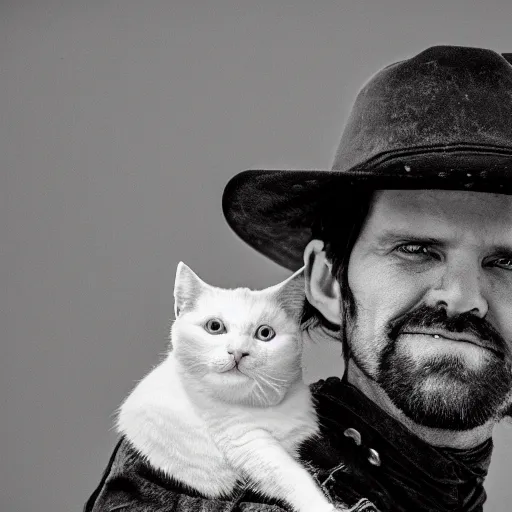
{"x": 273, "y": 210}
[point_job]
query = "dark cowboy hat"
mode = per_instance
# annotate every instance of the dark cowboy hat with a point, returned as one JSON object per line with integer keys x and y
{"x": 440, "y": 120}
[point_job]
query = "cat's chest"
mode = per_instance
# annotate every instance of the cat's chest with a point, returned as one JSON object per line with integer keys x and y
{"x": 290, "y": 423}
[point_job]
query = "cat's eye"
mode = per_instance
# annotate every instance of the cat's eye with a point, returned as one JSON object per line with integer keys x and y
{"x": 215, "y": 326}
{"x": 265, "y": 333}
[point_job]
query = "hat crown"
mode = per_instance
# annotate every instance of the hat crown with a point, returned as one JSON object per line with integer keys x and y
{"x": 446, "y": 96}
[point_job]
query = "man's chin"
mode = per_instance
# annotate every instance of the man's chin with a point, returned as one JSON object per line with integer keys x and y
{"x": 441, "y": 409}
{"x": 445, "y": 394}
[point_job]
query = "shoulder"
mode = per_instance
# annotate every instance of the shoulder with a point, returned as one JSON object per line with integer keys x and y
{"x": 129, "y": 483}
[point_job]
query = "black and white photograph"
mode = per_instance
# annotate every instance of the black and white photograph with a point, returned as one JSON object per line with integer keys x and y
{"x": 256, "y": 256}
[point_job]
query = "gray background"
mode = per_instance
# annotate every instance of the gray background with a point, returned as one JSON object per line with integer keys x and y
{"x": 120, "y": 122}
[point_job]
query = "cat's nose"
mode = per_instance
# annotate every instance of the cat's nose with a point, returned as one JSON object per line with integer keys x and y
{"x": 237, "y": 354}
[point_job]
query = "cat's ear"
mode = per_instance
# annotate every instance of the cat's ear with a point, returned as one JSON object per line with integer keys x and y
{"x": 291, "y": 293}
{"x": 187, "y": 288}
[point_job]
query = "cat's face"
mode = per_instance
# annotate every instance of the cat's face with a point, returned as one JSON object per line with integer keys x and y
{"x": 243, "y": 346}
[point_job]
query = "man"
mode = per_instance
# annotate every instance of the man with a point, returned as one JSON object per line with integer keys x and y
{"x": 407, "y": 246}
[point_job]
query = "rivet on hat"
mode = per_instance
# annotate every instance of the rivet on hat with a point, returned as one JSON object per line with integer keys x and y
{"x": 353, "y": 434}
{"x": 407, "y": 168}
{"x": 374, "y": 457}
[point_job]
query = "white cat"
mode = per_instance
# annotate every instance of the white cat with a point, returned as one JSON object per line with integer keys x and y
{"x": 228, "y": 402}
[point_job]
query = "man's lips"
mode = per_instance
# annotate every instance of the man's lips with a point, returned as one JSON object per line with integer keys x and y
{"x": 456, "y": 336}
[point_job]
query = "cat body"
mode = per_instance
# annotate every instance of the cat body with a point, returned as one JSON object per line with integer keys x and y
{"x": 228, "y": 405}
{"x": 187, "y": 451}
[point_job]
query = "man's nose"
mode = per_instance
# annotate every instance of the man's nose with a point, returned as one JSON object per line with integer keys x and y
{"x": 460, "y": 290}
{"x": 238, "y": 354}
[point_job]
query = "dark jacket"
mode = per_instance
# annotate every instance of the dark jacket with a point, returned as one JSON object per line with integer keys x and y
{"x": 364, "y": 459}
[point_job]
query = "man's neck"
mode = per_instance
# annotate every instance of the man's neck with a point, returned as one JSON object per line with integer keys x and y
{"x": 436, "y": 437}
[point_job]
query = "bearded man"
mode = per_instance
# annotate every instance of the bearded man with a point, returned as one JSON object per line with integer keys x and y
{"x": 407, "y": 247}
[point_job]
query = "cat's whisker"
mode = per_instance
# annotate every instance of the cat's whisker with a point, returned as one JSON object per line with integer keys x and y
{"x": 260, "y": 390}
{"x": 276, "y": 378}
{"x": 256, "y": 392}
{"x": 271, "y": 386}
{"x": 191, "y": 364}
{"x": 271, "y": 381}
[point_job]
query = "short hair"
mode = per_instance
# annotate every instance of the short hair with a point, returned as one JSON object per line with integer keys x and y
{"x": 339, "y": 240}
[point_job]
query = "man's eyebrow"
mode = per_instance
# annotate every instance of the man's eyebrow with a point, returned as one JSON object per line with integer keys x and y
{"x": 388, "y": 237}
{"x": 504, "y": 250}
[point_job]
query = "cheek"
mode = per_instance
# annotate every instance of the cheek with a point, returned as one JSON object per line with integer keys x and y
{"x": 283, "y": 352}
{"x": 194, "y": 344}
{"x": 499, "y": 315}
{"x": 382, "y": 292}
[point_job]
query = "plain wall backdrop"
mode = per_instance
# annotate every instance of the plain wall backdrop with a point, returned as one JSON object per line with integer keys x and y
{"x": 120, "y": 123}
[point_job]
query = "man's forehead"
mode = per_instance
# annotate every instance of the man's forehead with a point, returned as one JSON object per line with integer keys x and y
{"x": 439, "y": 209}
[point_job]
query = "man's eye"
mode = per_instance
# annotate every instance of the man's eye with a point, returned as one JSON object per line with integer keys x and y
{"x": 414, "y": 249}
{"x": 505, "y": 263}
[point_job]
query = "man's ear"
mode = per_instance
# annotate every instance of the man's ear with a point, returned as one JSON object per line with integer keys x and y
{"x": 322, "y": 289}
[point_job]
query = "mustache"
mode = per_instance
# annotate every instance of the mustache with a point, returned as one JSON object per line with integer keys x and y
{"x": 428, "y": 317}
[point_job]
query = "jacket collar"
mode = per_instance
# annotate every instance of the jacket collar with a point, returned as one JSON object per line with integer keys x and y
{"x": 401, "y": 467}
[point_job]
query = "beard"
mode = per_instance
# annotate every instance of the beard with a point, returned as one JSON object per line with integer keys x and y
{"x": 443, "y": 391}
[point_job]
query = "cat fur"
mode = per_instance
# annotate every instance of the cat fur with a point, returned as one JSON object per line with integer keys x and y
{"x": 210, "y": 428}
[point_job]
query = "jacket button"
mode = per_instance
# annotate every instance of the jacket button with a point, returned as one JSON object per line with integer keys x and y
{"x": 353, "y": 434}
{"x": 374, "y": 457}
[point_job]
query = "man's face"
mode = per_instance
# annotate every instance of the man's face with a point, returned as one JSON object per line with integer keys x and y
{"x": 431, "y": 276}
